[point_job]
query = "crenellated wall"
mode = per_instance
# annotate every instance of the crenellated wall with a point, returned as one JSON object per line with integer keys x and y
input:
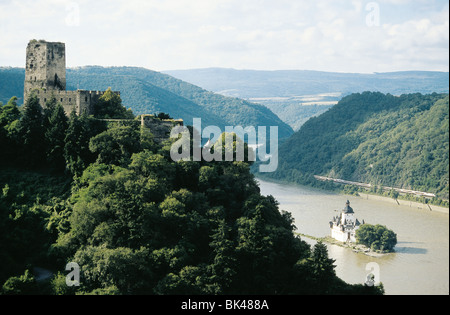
{"x": 80, "y": 101}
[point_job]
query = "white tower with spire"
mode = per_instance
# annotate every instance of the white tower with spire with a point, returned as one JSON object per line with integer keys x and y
{"x": 343, "y": 227}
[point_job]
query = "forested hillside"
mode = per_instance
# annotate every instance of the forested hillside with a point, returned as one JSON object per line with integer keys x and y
{"x": 11, "y": 84}
{"x": 374, "y": 138}
{"x": 148, "y": 92}
{"x": 105, "y": 196}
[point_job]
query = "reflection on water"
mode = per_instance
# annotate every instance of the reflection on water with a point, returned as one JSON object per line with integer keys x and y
{"x": 420, "y": 264}
{"x": 409, "y": 249}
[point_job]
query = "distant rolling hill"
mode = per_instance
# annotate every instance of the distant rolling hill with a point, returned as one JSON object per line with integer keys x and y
{"x": 146, "y": 91}
{"x": 297, "y": 95}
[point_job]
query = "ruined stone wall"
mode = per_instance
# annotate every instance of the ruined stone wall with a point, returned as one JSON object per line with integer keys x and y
{"x": 159, "y": 128}
{"x": 68, "y": 99}
{"x": 45, "y": 66}
{"x": 79, "y": 101}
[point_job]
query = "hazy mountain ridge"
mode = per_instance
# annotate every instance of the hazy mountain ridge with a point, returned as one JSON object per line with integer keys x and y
{"x": 297, "y": 95}
{"x": 288, "y": 83}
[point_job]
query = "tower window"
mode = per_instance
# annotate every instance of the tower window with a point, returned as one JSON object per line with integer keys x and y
{"x": 85, "y": 99}
{"x": 70, "y": 100}
{"x": 61, "y": 100}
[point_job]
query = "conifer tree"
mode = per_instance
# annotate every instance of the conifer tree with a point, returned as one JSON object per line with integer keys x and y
{"x": 55, "y": 137}
{"x": 223, "y": 266}
{"x": 76, "y": 150}
{"x": 31, "y": 131}
{"x": 322, "y": 268}
{"x": 73, "y": 146}
{"x": 49, "y": 107}
{"x": 9, "y": 117}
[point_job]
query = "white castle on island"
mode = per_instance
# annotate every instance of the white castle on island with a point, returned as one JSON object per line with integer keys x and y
{"x": 343, "y": 227}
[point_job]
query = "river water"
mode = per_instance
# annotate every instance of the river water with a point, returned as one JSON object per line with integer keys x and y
{"x": 420, "y": 264}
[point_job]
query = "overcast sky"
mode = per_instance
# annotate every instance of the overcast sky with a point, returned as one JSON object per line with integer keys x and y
{"x": 328, "y": 35}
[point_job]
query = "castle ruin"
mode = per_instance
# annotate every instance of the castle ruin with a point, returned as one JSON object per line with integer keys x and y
{"x": 45, "y": 75}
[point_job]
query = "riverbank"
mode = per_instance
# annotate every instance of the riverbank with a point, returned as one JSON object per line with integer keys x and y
{"x": 356, "y": 248}
{"x": 401, "y": 202}
{"x": 367, "y": 196}
{"x": 395, "y": 194}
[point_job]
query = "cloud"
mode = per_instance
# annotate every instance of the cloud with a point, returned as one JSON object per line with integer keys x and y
{"x": 260, "y": 34}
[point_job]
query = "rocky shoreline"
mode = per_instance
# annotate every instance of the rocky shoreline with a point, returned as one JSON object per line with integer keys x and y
{"x": 356, "y": 248}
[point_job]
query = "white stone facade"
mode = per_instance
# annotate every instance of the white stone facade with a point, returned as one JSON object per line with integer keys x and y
{"x": 343, "y": 227}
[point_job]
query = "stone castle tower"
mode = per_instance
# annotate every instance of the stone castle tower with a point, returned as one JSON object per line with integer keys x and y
{"x": 45, "y": 67}
{"x": 45, "y": 75}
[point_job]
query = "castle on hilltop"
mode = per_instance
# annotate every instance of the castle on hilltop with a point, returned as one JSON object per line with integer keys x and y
{"x": 343, "y": 227}
{"x": 45, "y": 76}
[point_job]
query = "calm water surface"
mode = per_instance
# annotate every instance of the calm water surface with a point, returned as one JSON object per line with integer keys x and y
{"x": 420, "y": 265}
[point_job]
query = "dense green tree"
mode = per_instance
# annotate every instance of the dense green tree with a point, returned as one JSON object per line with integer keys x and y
{"x": 376, "y": 237}
{"x": 58, "y": 285}
{"x": 187, "y": 175}
{"x": 109, "y": 106}
{"x": 21, "y": 285}
{"x": 254, "y": 252}
{"x": 116, "y": 145}
{"x": 223, "y": 267}
{"x": 49, "y": 108}
{"x": 9, "y": 112}
{"x": 9, "y": 119}
{"x": 233, "y": 148}
{"x": 157, "y": 166}
{"x": 25, "y": 238}
{"x": 322, "y": 267}
{"x": 121, "y": 269}
{"x": 163, "y": 116}
{"x": 55, "y": 135}
{"x": 73, "y": 146}
{"x": 80, "y": 130}
{"x": 5, "y": 255}
{"x": 31, "y": 132}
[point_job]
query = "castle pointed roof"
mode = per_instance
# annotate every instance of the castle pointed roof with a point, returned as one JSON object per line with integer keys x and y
{"x": 347, "y": 208}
